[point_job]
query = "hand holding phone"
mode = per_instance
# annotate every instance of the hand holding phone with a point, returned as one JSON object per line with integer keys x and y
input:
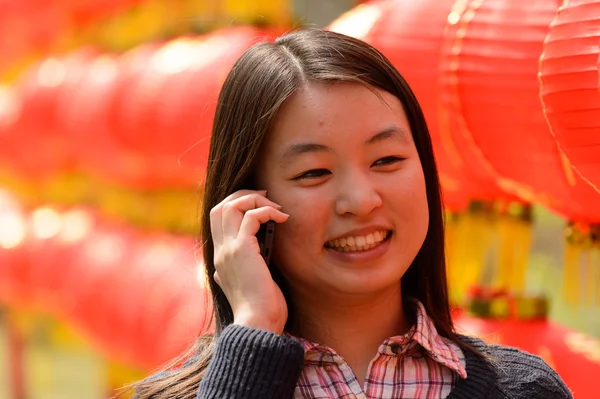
{"x": 242, "y": 255}
{"x": 265, "y": 240}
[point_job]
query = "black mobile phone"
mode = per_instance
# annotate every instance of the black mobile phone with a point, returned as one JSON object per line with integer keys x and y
{"x": 265, "y": 240}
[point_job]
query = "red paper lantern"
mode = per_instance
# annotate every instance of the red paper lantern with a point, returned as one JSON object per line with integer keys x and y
{"x": 128, "y": 291}
{"x": 186, "y": 104}
{"x": 32, "y": 144}
{"x": 83, "y": 12}
{"x": 84, "y": 118}
{"x": 574, "y": 355}
{"x": 491, "y": 98}
{"x": 100, "y": 263}
{"x": 570, "y": 83}
{"x": 172, "y": 307}
{"x": 29, "y": 27}
{"x": 13, "y": 252}
{"x": 123, "y": 289}
{"x": 411, "y": 35}
{"x": 50, "y": 259}
{"x": 167, "y": 105}
{"x": 121, "y": 123}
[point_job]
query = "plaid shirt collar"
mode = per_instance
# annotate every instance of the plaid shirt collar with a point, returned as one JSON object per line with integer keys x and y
{"x": 423, "y": 336}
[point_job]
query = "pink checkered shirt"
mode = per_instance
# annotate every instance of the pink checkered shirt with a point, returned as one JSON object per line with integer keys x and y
{"x": 424, "y": 366}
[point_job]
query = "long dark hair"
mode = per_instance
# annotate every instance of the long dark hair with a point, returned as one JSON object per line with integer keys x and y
{"x": 259, "y": 83}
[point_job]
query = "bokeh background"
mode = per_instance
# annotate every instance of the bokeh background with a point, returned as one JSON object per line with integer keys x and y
{"x": 106, "y": 109}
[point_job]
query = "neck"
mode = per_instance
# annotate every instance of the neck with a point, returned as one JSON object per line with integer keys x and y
{"x": 353, "y": 325}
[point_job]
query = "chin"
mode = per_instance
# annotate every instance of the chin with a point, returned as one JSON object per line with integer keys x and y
{"x": 364, "y": 283}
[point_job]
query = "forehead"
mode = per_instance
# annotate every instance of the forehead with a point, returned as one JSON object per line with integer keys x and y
{"x": 337, "y": 110}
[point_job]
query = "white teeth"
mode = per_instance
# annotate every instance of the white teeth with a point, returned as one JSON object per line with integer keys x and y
{"x": 359, "y": 243}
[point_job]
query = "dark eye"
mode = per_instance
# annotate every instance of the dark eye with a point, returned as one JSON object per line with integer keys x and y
{"x": 387, "y": 161}
{"x": 312, "y": 174}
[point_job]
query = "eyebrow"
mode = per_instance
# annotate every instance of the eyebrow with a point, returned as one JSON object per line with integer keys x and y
{"x": 388, "y": 133}
{"x": 303, "y": 148}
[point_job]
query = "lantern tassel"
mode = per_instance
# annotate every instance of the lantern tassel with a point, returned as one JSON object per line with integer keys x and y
{"x": 524, "y": 237}
{"x": 515, "y": 235}
{"x": 470, "y": 238}
{"x": 570, "y": 275}
{"x": 581, "y": 249}
{"x": 589, "y": 265}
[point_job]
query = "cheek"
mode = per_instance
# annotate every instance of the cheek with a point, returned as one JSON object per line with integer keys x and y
{"x": 409, "y": 199}
{"x": 303, "y": 231}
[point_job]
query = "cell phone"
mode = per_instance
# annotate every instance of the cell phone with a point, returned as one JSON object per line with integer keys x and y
{"x": 265, "y": 240}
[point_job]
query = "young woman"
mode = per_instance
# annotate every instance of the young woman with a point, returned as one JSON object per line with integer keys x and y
{"x": 320, "y": 133}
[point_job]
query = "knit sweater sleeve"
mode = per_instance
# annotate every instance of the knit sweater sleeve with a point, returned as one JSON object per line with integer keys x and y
{"x": 250, "y": 363}
{"x": 528, "y": 376}
{"x": 507, "y": 373}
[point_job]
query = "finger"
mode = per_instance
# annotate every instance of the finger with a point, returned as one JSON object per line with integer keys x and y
{"x": 233, "y": 212}
{"x": 255, "y": 217}
{"x": 242, "y": 193}
{"x": 216, "y": 225}
{"x": 216, "y": 228}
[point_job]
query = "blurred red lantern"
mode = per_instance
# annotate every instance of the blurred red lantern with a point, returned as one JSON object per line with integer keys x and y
{"x": 171, "y": 309}
{"x": 83, "y": 12}
{"x": 13, "y": 252}
{"x": 101, "y": 261}
{"x": 58, "y": 237}
{"x": 29, "y": 27}
{"x": 129, "y": 290}
{"x": 31, "y": 142}
{"x": 569, "y": 80}
{"x": 187, "y": 103}
{"x": 574, "y": 355}
{"x": 411, "y": 35}
{"x": 124, "y": 103}
{"x": 166, "y": 110}
{"x": 123, "y": 289}
{"x": 84, "y": 118}
{"x": 491, "y": 96}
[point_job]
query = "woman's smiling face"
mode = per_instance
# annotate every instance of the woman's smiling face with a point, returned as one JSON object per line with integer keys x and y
{"x": 341, "y": 160}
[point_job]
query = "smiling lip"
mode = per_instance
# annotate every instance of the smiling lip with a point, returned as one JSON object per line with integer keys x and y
{"x": 361, "y": 232}
{"x": 361, "y": 256}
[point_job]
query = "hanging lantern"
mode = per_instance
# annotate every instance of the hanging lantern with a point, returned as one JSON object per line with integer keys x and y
{"x": 492, "y": 105}
{"x": 13, "y": 251}
{"x": 83, "y": 117}
{"x": 569, "y": 83}
{"x": 58, "y": 237}
{"x": 575, "y": 356}
{"x": 34, "y": 147}
{"x": 568, "y": 78}
{"x": 411, "y": 35}
{"x": 123, "y": 287}
{"x": 171, "y": 296}
{"x": 492, "y": 101}
{"x": 83, "y": 12}
{"x": 30, "y": 28}
{"x": 121, "y": 124}
{"x": 167, "y": 110}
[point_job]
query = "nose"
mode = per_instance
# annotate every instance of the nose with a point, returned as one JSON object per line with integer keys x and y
{"x": 357, "y": 195}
